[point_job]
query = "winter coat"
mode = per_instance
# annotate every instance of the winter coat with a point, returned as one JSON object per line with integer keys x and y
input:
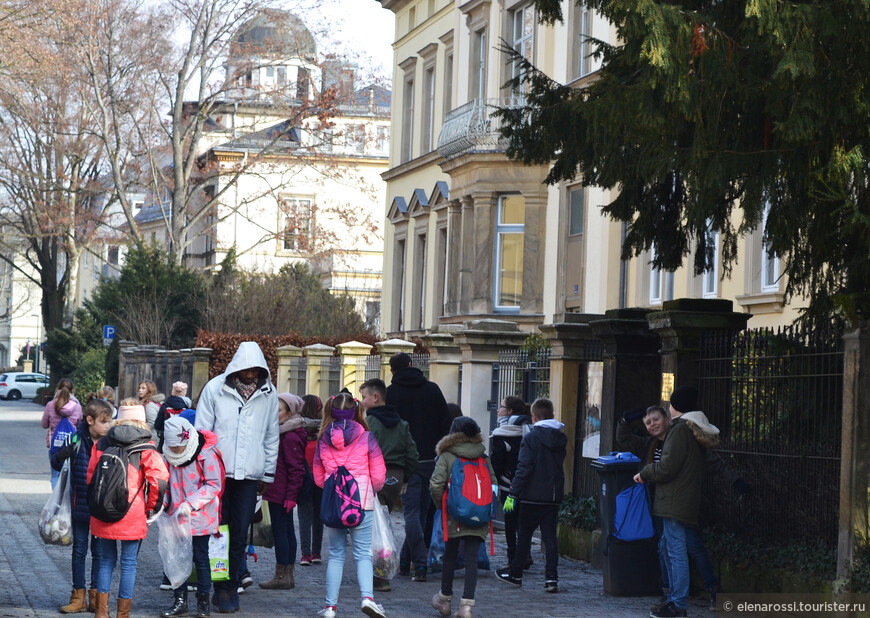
{"x": 78, "y": 469}
{"x": 540, "y": 476}
{"x": 421, "y": 403}
{"x": 312, "y": 428}
{"x": 151, "y": 410}
{"x": 247, "y": 431}
{"x": 71, "y": 410}
{"x": 680, "y": 473}
{"x": 200, "y": 484}
{"x": 348, "y": 444}
{"x": 394, "y": 438}
{"x": 152, "y": 469}
{"x": 450, "y": 448}
{"x": 504, "y": 450}
{"x": 290, "y": 470}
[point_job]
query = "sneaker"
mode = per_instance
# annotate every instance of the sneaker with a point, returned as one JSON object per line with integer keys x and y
{"x": 372, "y": 609}
{"x": 663, "y": 600}
{"x": 419, "y": 574}
{"x": 668, "y": 611}
{"x": 165, "y": 585}
{"x": 505, "y": 576}
{"x": 306, "y": 560}
{"x": 528, "y": 564}
{"x": 327, "y": 612}
{"x": 551, "y": 585}
{"x": 315, "y": 558}
{"x": 245, "y": 579}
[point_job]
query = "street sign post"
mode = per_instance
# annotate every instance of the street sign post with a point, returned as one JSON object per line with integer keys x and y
{"x": 108, "y": 334}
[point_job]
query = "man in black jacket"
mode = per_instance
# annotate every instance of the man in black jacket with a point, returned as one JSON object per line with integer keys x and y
{"x": 421, "y": 403}
{"x": 538, "y": 486}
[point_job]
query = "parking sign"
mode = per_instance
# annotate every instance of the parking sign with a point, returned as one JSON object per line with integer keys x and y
{"x": 108, "y": 334}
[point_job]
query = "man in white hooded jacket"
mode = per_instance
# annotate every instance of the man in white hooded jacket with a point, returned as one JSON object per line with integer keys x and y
{"x": 241, "y": 407}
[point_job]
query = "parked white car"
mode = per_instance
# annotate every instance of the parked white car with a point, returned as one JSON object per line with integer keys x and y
{"x": 15, "y": 385}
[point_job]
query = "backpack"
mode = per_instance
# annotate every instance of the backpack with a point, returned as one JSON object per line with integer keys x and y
{"x": 340, "y": 506}
{"x": 307, "y": 487}
{"x": 61, "y": 434}
{"x": 107, "y": 490}
{"x": 223, "y": 468}
{"x": 470, "y": 501}
{"x": 632, "y": 520}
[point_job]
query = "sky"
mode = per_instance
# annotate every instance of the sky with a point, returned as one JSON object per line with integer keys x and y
{"x": 363, "y": 27}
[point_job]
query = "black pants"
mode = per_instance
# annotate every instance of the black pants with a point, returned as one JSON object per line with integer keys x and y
{"x": 510, "y": 528}
{"x": 202, "y": 565}
{"x": 451, "y": 550}
{"x": 237, "y": 510}
{"x": 530, "y": 517}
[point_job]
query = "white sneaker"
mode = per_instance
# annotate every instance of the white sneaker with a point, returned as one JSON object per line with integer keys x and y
{"x": 327, "y": 612}
{"x": 372, "y": 609}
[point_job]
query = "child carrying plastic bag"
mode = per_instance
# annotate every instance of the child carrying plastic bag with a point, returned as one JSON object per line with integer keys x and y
{"x": 175, "y": 546}
{"x": 55, "y": 521}
{"x": 385, "y": 554}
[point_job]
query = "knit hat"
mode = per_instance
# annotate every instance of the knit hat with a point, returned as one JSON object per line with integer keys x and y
{"x": 131, "y": 413}
{"x": 294, "y": 402}
{"x": 466, "y": 425}
{"x": 685, "y": 399}
{"x": 179, "y": 389}
{"x": 177, "y": 431}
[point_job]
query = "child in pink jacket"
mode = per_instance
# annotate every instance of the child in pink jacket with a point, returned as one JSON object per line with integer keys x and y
{"x": 345, "y": 441}
{"x": 196, "y": 479}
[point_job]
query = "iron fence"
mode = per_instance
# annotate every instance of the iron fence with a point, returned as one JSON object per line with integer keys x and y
{"x": 369, "y": 368}
{"x": 330, "y": 372}
{"x": 298, "y": 375}
{"x": 777, "y": 398}
{"x": 521, "y": 374}
{"x": 421, "y": 362}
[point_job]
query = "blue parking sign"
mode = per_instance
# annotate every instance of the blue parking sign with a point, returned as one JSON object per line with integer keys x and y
{"x": 108, "y": 334}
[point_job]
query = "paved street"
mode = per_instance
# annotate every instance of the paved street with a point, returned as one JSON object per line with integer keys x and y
{"x": 35, "y": 578}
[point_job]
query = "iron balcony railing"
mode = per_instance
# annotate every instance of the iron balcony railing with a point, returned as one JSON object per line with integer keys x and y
{"x": 471, "y": 127}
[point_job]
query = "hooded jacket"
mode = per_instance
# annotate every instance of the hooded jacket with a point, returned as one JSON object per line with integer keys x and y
{"x": 421, "y": 403}
{"x": 151, "y": 469}
{"x": 174, "y": 403}
{"x": 200, "y": 484}
{"x": 71, "y": 410}
{"x": 290, "y": 471}
{"x": 394, "y": 438}
{"x": 348, "y": 444}
{"x": 247, "y": 431}
{"x": 540, "y": 477}
{"x": 450, "y": 448}
{"x": 81, "y": 457}
{"x": 504, "y": 448}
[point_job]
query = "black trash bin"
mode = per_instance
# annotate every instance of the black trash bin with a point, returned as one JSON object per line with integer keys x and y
{"x": 631, "y": 568}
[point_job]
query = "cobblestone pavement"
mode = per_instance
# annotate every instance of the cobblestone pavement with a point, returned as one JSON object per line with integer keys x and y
{"x": 35, "y": 578}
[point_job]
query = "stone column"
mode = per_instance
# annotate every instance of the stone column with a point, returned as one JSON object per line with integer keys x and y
{"x": 480, "y": 343}
{"x": 534, "y": 236}
{"x": 185, "y": 369}
{"x": 466, "y": 264}
{"x": 351, "y": 353}
{"x": 445, "y": 359}
{"x": 386, "y": 349}
{"x": 199, "y": 373}
{"x": 316, "y": 382}
{"x": 454, "y": 256}
{"x": 286, "y": 355}
{"x": 482, "y": 248}
{"x": 855, "y": 449}
{"x": 124, "y": 368}
{"x": 631, "y": 368}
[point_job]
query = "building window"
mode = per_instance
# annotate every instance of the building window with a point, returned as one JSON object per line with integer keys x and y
{"x": 523, "y": 39}
{"x": 302, "y": 84}
{"x": 282, "y": 77}
{"x": 298, "y": 215}
{"x": 661, "y": 283}
{"x": 408, "y": 120}
{"x": 429, "y": 108}
{"x": 509, "y": 230}
{"x": 478, "y": 64}
{"x": 581, "y": 30}
{"x": 112, "y": 256}
{"x": 577, "y": 199}
{"x": 769, "y": 263}
{"x": 355, "y": 138}
{"x": 382, "y": 143}
{"x": 448, "y": 82}
{"x": 399, "y": 282}
{"x": 710, "y": 288}
{"x": 421, "y": 262}
{"x": 412, "y": 18}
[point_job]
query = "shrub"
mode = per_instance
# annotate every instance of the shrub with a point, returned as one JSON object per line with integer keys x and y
{"x": 579, "y": 512}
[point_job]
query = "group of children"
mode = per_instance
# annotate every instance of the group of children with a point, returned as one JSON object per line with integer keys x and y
{"x": 318, "y": 444}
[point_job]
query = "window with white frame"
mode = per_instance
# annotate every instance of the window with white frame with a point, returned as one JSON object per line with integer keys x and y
{"x": 297, "y": 223}
{"x": 581, "y": 29}
{"x": 522, "y": 38}
{"x": 577, "y": 204}
{"x": 710, "y": 281}
{"x": 769, "y": 263}
{"x": 661, "y": 282}
{"x": 355, "y": 138}
{"x": 478, "y": 64}
{"x": 509, "y": 237}
{"x": 429, "y": 108}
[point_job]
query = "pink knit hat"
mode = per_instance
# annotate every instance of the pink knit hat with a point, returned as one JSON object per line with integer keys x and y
{"x": 294, "y": 402}
{"x": 131, "y": 413}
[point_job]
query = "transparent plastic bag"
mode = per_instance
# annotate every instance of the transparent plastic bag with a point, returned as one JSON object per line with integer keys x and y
{"x": 385, "y": 551}
{"x": 55, "y": 521}
{"x": 175, "y": 547}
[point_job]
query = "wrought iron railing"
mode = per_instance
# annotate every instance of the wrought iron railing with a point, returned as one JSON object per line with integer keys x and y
{"x": 471, "y": 127}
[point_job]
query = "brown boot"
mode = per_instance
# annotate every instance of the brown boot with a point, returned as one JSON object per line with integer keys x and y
{"x": 290, "y": 576}
{"x": 76, "y": 602}
{"x": 281, "y": 581}
{"x": 92, "y": 600}
{"x": 124, "y": 608}
{"x": 102, "y": 605}
{"x": 464, "y": 610}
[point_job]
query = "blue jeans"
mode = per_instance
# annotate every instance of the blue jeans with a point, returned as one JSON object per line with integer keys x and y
{"x": 697, "y": 552}
{"x": 237, "y": 510}
{"x": 361, "y": 537}
{"x": 55, "y": 474}
{"x": 674, "y": 540}
{"x": 202, "y": 565}
{"x": 415, "y": 506}
{"x": 107, "y": 550}
{"x": 284, "y": 532}
{"x": 81, "y": 538}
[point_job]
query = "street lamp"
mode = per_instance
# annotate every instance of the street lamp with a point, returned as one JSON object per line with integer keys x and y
{"x": 38, "y": 340}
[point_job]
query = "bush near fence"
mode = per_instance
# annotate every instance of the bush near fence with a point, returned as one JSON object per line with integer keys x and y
{"x": 224, "y": 346}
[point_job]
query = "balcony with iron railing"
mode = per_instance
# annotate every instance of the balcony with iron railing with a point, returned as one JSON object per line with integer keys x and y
{"x": 472, "y": 127}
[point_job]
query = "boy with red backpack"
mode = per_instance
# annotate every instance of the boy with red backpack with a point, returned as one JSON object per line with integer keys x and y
{"x": 463, "y": 484}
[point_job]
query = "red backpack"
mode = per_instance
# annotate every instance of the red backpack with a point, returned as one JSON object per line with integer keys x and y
{"x": 468, "y": 496}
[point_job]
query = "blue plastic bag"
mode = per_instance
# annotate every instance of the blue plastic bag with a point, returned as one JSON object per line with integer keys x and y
{"x": 436, "y": 550}
{"x": 633, "y": 520}
{"x": 61, "y": 434}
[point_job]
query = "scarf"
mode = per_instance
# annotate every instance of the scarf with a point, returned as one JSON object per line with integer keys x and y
{"x": 294, "y": 422}
{"x": 245, "y": 390}
{"x": 191, "y": 450}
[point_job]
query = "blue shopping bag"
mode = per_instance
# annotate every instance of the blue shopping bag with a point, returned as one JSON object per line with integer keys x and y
{"x": 633, "y": 519}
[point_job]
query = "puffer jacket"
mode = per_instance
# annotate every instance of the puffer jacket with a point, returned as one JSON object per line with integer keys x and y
{"x": 200, "y": 484}
{"x": 247, "y": 431}
{"x": 540, "y": 476}
{"x": 71, "y": 410}
{"x": 152, "y": 469}
{"x": 450, "y": 448}
{"x": 348, "y": 444}
{"x": 394, "y": 438}
{"x": 78, "y": 469}
{"x": 290, "y": 471}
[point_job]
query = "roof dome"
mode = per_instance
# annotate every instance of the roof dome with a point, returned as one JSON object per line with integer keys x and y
{"x": 275, "y": 33}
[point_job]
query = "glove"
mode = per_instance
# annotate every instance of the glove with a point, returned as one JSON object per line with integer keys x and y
{"x": 509, "y": 505}
{"x": 289, "y": 505}
{"x": 629, "y": 416}
{"x": 183, "y": 510}
{"x": 742, "y": 487}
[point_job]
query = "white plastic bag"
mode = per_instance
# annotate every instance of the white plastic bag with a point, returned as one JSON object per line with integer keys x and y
{"x": 175, "y": 547}
{"x": 385, "y": 552}
{"x": 55, "y": 521}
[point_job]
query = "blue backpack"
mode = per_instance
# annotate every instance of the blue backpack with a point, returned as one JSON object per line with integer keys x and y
{"x": 468, "y": 497}
{"x": 61, "y": 434}
{"x": 340, "y": 506}
{"x": 632, "y": 520}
